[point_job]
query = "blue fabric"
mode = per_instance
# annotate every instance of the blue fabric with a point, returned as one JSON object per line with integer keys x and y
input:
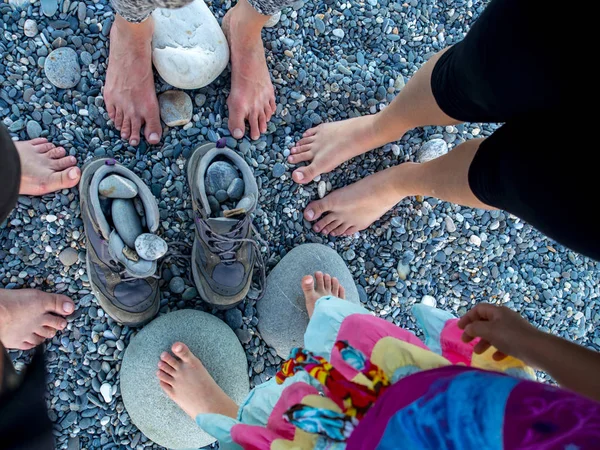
{"x": 464, "y": 412}
{"x": 325, "y": 324}
{"x": 432, "y": 321}
{"x": 219, "y": 427}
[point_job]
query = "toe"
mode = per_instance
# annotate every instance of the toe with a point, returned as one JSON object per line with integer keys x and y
{"x": 342, "y": 293}
{"x": 63, "y": 180}
{"x": 58, "y": 304}
{"x": 169, "y": 359}
{"x": 55, "y": 322}
{"x": 236, "y": 121}
{"x": 46, "y": 332}
{"x": 326, "y": 230}
{"x": 153, "y": 129}
{"x": 335, "y": 286}
{"x": 26, "y": 346}
{"x": 57, "y": 153}
{"x": 44, "y": 147}
{"x": 164, "y": 367}
{"x": 111, "y": 111}
{"x": 136, "y": 125}
{"x": 320, "y": 283}
{"x": 164, "y": 377}
{"x": 350, "y": 231}
{"x": 315, "y": 209}
{"x": 126, "y": 128}
{"x": 324, "y": 222}
{"x": 327, "y": 282}
{"x": 302, "y": 142}
{"x": 167, "y": 388}
{"x": 37, "y": 141}
{"x": 268, "y": 113}
{"x": 300, "y": 148}
{"x": 254, "y": 130}
{"x": 273, "y": 105}
{"x": 340, "y": 230}
{"x": 64, "y": 163}
{"x": 308, "y": 284}
{"x": 182, "y": 351}
{"x": 36, "y": 339}
{"x": 310, "y": 132}
{"x": 306, "y": 174}
{"x": 295, "y": 159}
{"x": 119, "y": 119}
{"x": 262, "y": 122}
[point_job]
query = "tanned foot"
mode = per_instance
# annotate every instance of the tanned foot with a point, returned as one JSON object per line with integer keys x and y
{"x": 187, "y": 382}
{"x": 45, "y": 168}
{"x": 330, "y": 144}
{"x": 321, "y": 286}
{"x": 357, "y": 206}
{"x": 129, "y": 93}
{"x": 28, "y": 317}
{"x": 252, "y": 97}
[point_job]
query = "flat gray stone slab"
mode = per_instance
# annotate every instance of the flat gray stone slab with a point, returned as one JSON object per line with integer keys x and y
{"x": 150, "y": 409}
{"x": 282, "y": 316}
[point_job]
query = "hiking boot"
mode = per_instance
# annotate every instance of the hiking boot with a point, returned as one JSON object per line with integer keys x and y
{"x": 125, "y": 285}
{"x": 225, "y": 252}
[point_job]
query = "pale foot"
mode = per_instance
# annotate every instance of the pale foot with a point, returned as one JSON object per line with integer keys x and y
{"x": 252, "y": 96}
{"x": 321, "y": 286}
{"x": 330, "y": 144}
{"x": 187, "y": 382}
{"x": 28, "y": 317}
{"x": 45, "y": 168}
{"x": 357, "y": 206}
{"x": 129, "y": 92}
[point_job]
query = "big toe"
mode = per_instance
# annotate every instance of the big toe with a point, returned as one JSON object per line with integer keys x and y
{"x": 306, "y": 174}
{"x": 315, "y": 209}
{"x": 59, "y": 304}
{"x": 236, "y": 122}
{"x": 182, "y": 351}
{"x": 65, "y": 179}
{"x": 308, "y": 285}
{"x": 153, "y": 130}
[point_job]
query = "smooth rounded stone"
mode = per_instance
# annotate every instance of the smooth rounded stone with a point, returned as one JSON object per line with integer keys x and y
{"x": 106, "y": 391}
{"x": 68, "y": 256}
{"x": 189, "y": 294}
{"x": 322, "y": 189}
{"x": 278, "y": 170}
{"x": 450, "y": 225}
{"x": 431, "y": 150}
{"x": 149, "y": 408}
{"x": 282, "y": 311}
{"x": 34, "y": 129}
{"x": 62, "y": 68}
{"x": 214, "y": 204}
{"x": 126, "y": 221}
{"x": 30, "y": 28}
{"x": 475, "y": 240}
{"x": 175, "y": 108}
{"x": 429, "y": 301}
{"x": 116, "y": 186}
{"x": 221, "y": 195}
{"x": 177, "y": 285}
{"x": 150, "y": 246}
{"x": 189, "y": 49}
{"x": 234, "y": 319}
{"x": 219, "y": 176}
{"x": 236, "y": 189}
{"x": 49, "y": 7}
{"x": 273, "y": 20}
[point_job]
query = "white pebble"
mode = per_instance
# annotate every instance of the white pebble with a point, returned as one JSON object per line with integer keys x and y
{"x": 428, "y": 300}
{"x": 51, "y": 218}
{"x": 322, "y": 189}
{"x": 578, "y": 315}
{"x": 106, "y": 391}
{"x": 475, "y": 240}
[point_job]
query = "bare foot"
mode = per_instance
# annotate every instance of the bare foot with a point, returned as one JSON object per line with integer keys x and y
{"x": 252, "y": 96}
{"x": 355, "y": 207}
{"x": 187, "y": 382}
{"x": 28, "y": 316}
{"x": 45, "y": 168}
{"x": 330, "y": 144}
{"x": 129, "y": 93}
{"x": 321, "y": 286}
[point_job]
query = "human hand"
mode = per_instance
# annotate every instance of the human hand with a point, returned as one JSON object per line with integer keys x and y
{"x": 497, "y": 326}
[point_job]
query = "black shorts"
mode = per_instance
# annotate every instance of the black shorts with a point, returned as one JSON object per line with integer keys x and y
{"x": 539, "y": 165}
{"x": 10, "y": 174}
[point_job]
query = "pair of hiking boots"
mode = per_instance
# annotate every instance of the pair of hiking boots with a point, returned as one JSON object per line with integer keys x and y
{"x": 225, "y": 253}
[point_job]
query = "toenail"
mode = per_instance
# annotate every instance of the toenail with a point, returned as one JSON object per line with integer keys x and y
{"x": 316, "y": 228}
{"x": 134, "y": 142}
{"x": 310, "y": 214}
{"x": 300, "y": 176}
{"x": 238, "y": 134}
{"x": 178, "y": 348}
{"x": 73, "y": 174}
{"x": 68, "y": 307}
{"x": 153, "y": 137}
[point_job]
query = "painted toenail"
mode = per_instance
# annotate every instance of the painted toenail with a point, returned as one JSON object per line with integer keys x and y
{"x": 310, "y": 214}
{"x": 68, "y": 307}
{"x": 153, "y": 137}
{"x": 238, "y": 134}
{"x": 73, "y": 174}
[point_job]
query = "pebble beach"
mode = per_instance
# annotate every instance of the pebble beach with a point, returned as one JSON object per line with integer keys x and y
{"x": 329, "y": 60}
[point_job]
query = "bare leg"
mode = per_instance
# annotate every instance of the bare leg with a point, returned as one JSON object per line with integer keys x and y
{"x": 330, "y": 144}
{"x": 355, "y": 207}
{"x": 321, "y": 286}
{"x": 187, "y": 382}
{"x": 129, "y": 93}
{"x": 252, "y": 97}
{"x": 45, "y": 168}
{"x": 28, "y": 317}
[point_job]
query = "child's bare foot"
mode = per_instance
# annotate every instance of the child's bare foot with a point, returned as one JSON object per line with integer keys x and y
{"x": 45, "y": 168}
{"x": 321, "y": 286}
{"x": 330, "y": 144}
{"x": 28, "y": 317}
{"x": 129, "y": 91}
{"x": 187, "y": 382}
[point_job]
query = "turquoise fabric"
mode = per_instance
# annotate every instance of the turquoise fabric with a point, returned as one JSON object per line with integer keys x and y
{"x": 453, "y": 415}
{"x": 219, "y": 427}
{"x": 325, "y": 324}
{"x": 432, "y": 321}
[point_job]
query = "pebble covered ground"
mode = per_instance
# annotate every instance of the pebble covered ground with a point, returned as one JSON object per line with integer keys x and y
{"x": 329, "y": 60}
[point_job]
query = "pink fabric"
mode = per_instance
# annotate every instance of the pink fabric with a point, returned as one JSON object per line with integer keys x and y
{"x": 291, "y": 395}
{"x": 453, "y": 348}
{"x": 253, "y": 437}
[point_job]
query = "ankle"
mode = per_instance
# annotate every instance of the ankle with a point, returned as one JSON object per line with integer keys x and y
{"x": 246, "y": 21}
{"x": 405, "y": 180}
{"x": 143, "y": 29}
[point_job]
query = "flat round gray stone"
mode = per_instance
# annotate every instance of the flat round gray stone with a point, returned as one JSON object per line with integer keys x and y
{"x": 150, "y": 409}
{"x": 282, "y": 316}
{"x": 431, "y": 150}
{"x": 62, "y": 68}
{"x": 175, "y": 108}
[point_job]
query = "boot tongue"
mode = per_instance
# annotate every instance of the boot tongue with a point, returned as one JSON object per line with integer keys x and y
{"x": 222, "y": 225}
